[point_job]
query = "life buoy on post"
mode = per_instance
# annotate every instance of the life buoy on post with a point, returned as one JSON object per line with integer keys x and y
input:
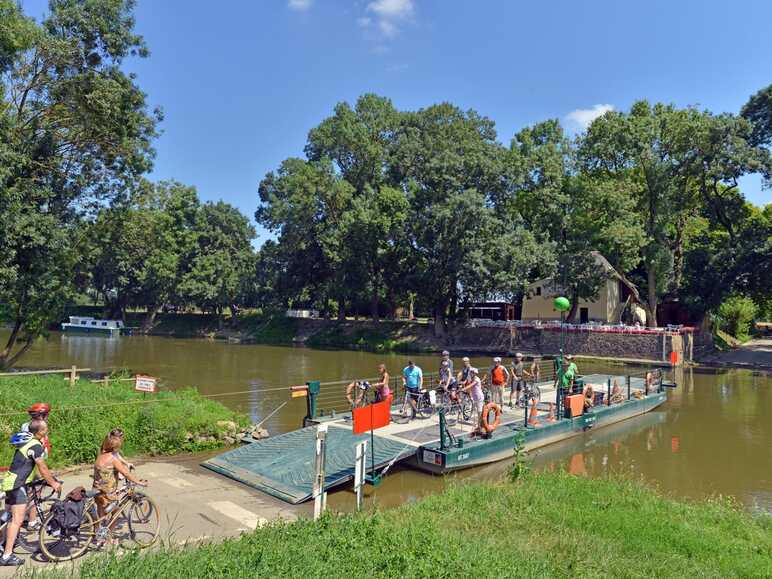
{"x": 488, "y": 426}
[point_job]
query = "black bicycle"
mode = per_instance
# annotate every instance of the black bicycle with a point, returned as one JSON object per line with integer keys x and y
{"x": 41, "y": 499}
{"x": 528, "y": 395}
{"x": 455, "y": 401}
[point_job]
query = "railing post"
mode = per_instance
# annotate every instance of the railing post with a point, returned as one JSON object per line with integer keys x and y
{"x": 320, "y": 497}
{"x": 443, "y": 428}
{"x": 73, "y": 375}
{"x": 359, "y": 472}
{"x": 608, "y": 392}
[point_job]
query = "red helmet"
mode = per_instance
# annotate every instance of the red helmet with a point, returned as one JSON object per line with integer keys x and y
{"x": 39, "y": 408}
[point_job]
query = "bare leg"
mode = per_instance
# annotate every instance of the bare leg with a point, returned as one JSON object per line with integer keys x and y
{"x": 12, "y": 530}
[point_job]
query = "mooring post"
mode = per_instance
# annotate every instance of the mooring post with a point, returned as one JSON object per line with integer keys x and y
{"x": 320, "y": 497}
{"x": 627, "y": 379}
{"x": 608, "y": 392}
{"x": 359, "y": 472}
{"x": 313, "y": 391}
{"x": 443, "y": 427}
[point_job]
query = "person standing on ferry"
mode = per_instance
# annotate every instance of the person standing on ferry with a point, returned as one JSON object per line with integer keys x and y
{"x": 499, "y": 378}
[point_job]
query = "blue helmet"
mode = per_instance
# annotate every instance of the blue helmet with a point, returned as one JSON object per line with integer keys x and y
{"x": 20, "y": 439}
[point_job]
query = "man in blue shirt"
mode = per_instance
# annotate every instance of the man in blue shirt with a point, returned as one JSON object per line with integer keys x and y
{"x": 412, "y": 381}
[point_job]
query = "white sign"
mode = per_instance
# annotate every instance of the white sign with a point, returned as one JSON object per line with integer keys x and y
{"x": 144, "y": 383}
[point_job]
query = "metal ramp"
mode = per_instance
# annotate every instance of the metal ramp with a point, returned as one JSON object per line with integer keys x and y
{"x": 283, "y": 465}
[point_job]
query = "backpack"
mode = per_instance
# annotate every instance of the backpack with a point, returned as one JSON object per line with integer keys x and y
{"x": 67, "y": 516}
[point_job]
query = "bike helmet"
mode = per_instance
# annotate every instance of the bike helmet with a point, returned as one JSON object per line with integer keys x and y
{"x": 20, "y": 439}
{"x": 39, "y": 408}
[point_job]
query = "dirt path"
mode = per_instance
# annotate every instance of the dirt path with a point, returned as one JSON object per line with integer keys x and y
{"x": 196, "y": 504}
{"x": 753, "y": 354}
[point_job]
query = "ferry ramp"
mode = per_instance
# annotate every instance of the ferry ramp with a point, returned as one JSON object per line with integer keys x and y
{"x": 283, "y": 465}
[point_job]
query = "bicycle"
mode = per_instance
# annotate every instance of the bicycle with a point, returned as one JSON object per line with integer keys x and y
{"x": 423, "y": 406}
{"x": 455, "y": 401}
{"x": 529, "y": 395}
{"x": 41, "y": 503}
{"x": 140, "y": 512}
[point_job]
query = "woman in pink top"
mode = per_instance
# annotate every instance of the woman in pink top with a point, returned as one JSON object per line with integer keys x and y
{"x": 382, "y": 387}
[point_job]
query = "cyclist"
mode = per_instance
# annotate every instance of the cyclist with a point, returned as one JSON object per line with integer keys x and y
{"x": 26, "y": 459}
{"x": 499, "y": 377}
{"x": 463, "y": 374}
{"x": 518, "y": 379}
{"x": 412, "y": 381}
{"x": 107, "y": 468}
{"x": 446, "y": 358}
{"x": 446, "y": 375}
{"x": 39, "y": 411}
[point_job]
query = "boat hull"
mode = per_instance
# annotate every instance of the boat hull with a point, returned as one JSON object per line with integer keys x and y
{"x": 91, "y": 330}
{"x": 477, "y": 452}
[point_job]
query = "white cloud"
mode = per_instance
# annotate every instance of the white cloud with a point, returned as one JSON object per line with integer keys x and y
{"x": 299, "y": 5}
{"x": 389, "y": 14}
{"x": 581, "y": 118}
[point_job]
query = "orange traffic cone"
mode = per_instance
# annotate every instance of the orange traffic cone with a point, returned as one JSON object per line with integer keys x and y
{"x": 532, "y": 419}
{"x": 551, "y": 415}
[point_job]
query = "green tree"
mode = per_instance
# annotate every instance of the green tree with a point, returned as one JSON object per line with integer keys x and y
{"x": 76, "y": 132}
{"x": 222, "y": 259}
{"x": 758, "y": 111}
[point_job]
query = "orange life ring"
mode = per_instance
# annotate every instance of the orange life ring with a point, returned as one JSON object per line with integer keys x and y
{"x": 489, "y": 428}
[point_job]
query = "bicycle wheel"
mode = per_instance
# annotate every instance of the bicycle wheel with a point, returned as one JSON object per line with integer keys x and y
{"x": 60, "y": 545}
{"x": 144, "y": 521}
{"x": 466, "y": 406}
{"x": 534, "y": 394}
{"x": 29, "y": 539}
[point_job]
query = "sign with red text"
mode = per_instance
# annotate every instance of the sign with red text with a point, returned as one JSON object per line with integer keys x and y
{"x": 145, "y": 383}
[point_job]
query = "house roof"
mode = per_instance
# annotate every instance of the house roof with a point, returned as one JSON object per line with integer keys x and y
{"x": 600, "y": 261}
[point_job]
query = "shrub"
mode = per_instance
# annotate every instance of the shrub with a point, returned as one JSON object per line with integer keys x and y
{"x": 735, "y": 316}
{"x": 169, "y": 422}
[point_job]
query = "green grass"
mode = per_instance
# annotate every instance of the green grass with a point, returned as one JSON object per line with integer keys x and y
{"x": 545, "y": 525}
{"x": 271, "y": 329}
{"x": 82, "y": 415}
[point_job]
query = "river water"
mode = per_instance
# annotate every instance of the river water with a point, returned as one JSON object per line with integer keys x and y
{"x": 712, "y": 437}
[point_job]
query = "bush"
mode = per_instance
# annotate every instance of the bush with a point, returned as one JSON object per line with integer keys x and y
{"x": 172, "y": 422}
{"x": 736, "y": 315}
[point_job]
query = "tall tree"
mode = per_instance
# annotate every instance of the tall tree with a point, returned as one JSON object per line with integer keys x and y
{"x": 758, "y": 111}
{"x": 221, "y": 260}
{"x": 79, "y": 131}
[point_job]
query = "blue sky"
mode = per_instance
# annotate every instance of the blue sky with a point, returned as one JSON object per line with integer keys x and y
{"x": 242, "y": 82}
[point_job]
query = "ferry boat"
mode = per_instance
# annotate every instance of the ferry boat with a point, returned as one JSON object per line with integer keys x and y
{"x": 89, "y": 325}
{"x": 283, "y": 465}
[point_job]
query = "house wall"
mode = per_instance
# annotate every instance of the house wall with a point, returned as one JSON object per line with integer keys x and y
{"x": 541, "y": 308}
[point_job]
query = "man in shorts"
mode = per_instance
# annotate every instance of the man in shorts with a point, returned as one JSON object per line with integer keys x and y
{"x": 499, "y": 377}
{"x": 412, "y": 381}
{"x": 26, "y": 459}
{"x": 518, "y": 379}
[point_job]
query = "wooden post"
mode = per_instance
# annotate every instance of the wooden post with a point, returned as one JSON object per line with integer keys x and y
{"x": 73, "y": 375}
{"x": 359, "y": 472}
{"x": 320, "y": 497}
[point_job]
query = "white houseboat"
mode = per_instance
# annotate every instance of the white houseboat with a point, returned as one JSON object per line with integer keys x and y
{"x": 88, "y": 325}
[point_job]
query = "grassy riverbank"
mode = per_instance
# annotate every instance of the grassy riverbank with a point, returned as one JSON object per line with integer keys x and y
{"x": 173, "y": 422}
{"x": 546, "y": 525}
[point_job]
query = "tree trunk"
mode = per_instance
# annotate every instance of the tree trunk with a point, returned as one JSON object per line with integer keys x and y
{"x": 410, "y": 303}
{"x": 341, "y": 309}
{"x": 574, "y": 308}
{"x": 5, "y": 355}
{"x": 651, "y": 281}
{"x": 440, "y": 323}
{"x": 374, "y": 306}
{"x": 147, "y": 323}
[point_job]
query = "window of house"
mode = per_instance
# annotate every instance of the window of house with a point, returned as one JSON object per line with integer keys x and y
{"x": 93, "y": 323}
{"x": 538, "y": 290}
{"x": 104, "y": 323}
{"x": 84, "y": 323}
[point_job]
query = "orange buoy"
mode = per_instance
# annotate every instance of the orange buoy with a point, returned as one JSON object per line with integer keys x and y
{"x": 487, "y": 425}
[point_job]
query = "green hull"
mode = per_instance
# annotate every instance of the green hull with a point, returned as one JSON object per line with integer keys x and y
{"x": 469, "y": 452}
